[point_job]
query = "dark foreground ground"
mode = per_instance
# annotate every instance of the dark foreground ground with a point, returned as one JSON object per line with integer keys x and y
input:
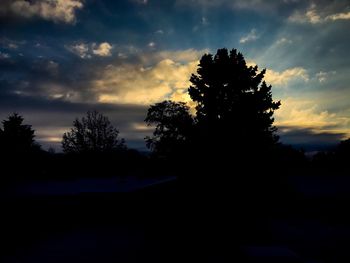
{"x": 162, "y": 222}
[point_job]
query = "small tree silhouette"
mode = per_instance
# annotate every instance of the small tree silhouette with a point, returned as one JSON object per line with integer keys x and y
{"x": 174, "y": 125}
{"x": 16, "y": 137}
{"x": 93, "y": 134}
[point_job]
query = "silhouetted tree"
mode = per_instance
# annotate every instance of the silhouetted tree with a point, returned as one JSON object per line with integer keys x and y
{"x": 16, "y": 137}
{"x": 234, "y": 105}
{"x": 93, "y": 134}
{"x": 173, "y": 127}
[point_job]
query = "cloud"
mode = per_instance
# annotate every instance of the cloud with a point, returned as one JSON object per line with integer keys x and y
{"x": 302, "y": 123}
{"x": 308, "y": 139}
{"x": 80, "y": 49}
{"x": 318, "y": 14}
{"x": 141, "y": 2}
{"x": 54, "y": 10}
{"x": 13, "y": 46}
{"x": 284, "y": 77}
{"x": 306, "y": 114}
{"x": 324, "y": 76}
{"x": 103, "y": 50}
{"x": 283, "y": 41}
{"x": 84, "y": 50}
{"x": 308, "y": 16}
{"x": 339, "y": 16}
{"x": 10, "y": 43}
{"x": 137, "y": 78}
{"x": 4, "y": 55}
{"x": 151, "y": 44}
{"x": 139, "y": 84}
{"x": 251, "y": 36}
{"x": 159, "y": 31}
{"x": 204, "y": 21}
{"x": 256, "y": 5}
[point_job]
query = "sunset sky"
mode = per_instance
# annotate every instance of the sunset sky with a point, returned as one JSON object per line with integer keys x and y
{"x": 60, "y": 58}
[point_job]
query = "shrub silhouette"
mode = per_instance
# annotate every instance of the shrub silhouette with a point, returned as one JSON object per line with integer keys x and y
{"x": 92, "y": 134}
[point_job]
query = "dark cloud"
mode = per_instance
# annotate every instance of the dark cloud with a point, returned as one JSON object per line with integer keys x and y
{"x": 58, "y": 11}
{"x": 308, "y": 139}
{"x": 46, "y": 77}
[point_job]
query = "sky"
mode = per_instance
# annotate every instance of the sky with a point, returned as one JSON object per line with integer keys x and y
{"x": 61, "y": 58}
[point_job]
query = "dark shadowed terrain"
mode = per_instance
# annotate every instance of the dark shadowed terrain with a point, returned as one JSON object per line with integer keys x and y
{"x": 159, "y": 223}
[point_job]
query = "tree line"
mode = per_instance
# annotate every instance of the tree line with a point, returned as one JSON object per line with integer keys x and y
{"x": 232, "y": 121}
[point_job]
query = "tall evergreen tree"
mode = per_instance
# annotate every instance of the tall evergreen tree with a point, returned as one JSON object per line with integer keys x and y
{"x": 234, "y": 105}
{"x": 16, "y": 137}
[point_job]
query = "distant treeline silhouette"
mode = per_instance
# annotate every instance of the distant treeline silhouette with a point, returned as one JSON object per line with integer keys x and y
{"x": 229, "y": 128}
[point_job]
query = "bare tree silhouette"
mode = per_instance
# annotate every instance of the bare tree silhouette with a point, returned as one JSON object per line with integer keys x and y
{"x": 92, "y": 134}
